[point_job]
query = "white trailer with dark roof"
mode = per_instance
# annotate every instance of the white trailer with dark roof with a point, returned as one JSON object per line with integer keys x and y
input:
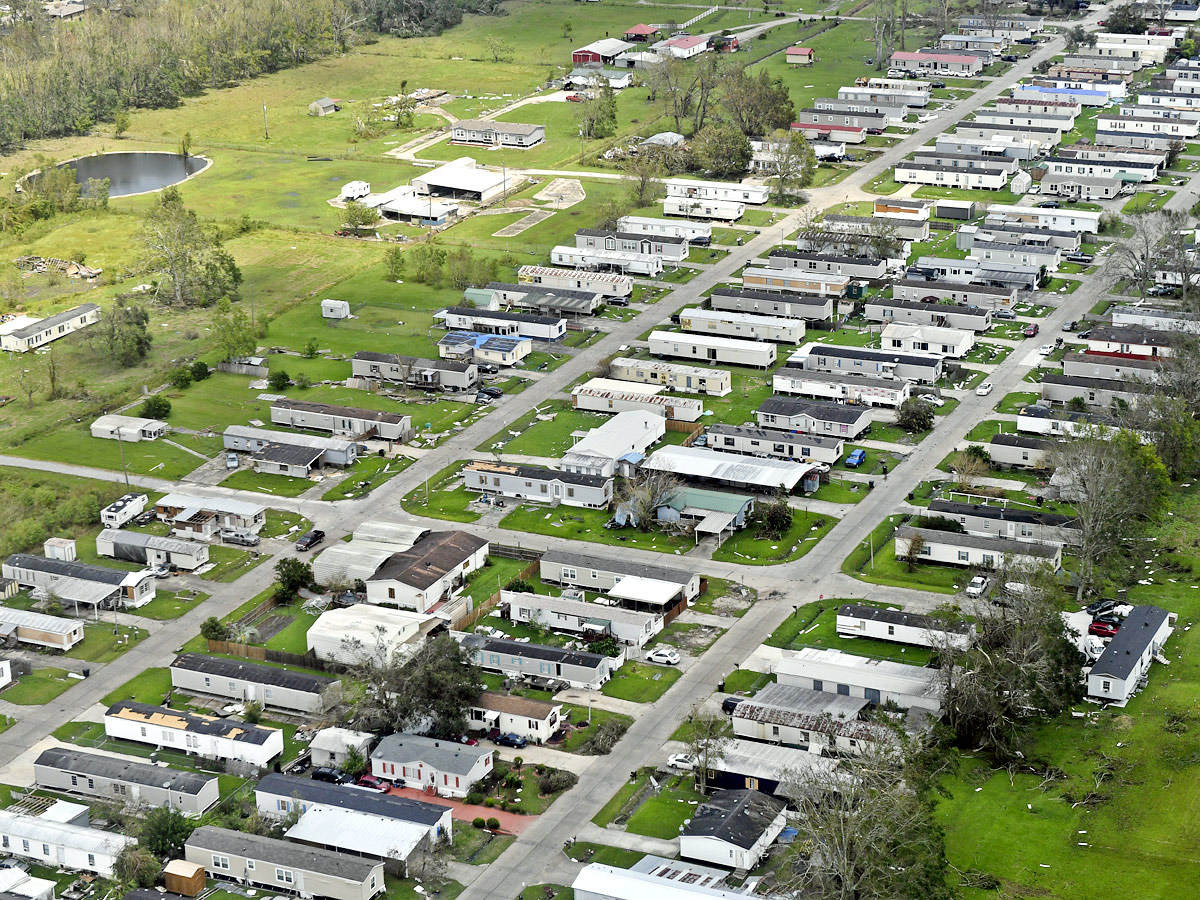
{"x": 742, "y": 325}
{"x": 721, "y": 350}
{"x": 693, "y": 208}
{"x": 693, "y": 232}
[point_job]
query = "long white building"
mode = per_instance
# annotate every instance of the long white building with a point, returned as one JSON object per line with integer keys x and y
{"x": 192, "y": 733}
{"x": 692, "y": 189}
{"x": 742, "y": 325}
{"x": 688, "y": 379}
{"x": 721, "y": 350}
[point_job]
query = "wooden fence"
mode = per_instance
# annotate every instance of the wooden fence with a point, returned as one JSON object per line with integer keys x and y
{"x": 469, "y": 620}
{"x": 262, "y": 654}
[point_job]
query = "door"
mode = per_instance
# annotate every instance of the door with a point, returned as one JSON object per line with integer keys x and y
{"x": 871, "y": 695}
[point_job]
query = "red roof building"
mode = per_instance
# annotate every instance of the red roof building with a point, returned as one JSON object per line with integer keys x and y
{"x": 641, "y": 33}
{"x": 800, "y": 56}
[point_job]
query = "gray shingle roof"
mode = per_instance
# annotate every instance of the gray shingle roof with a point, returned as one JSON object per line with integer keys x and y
{"x": 80, "y": 762}
{"x": 339, "y": 796}
{"x": 545, "y": 652}
{"x": 416, "y": 362}
{"x": 900, "y": 617}
{"x": 769, "y": 434}
{"x": 282, "y": 853}
{"x": 619, "y": 566}
{"x": 53, "y": 321}
{"x": 444, "y": 756}
{"x": 822, "y": 410}
{"x": 353, "y": 412}
{"x": 737, "y": 817}
{"x": 66, "y": 569}
{"x": 430, "y": 558}
{"x": 876, "y": 355}
{"x": 1001, "y": 513}
{"x": 1124, "y": 650}
{"x": 248, "y": 671}
{"x": 1020, "y": 440}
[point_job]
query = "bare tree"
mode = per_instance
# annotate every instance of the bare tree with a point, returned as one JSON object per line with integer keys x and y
{"x": 1178, "y": 256}
{"x": 677, "y": 82}
{"x": 912, "y": 551}
{"x": 711, "y": 734}
{"x": 646, "y": 492}
{"x": 968, "y": 468}
{"x": 1136, "y": 257}
{"x": 847, "y": 818}
{"x": 1116, "y": 484}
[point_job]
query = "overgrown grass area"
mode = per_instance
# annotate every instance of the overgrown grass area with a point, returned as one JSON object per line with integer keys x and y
{"x": 366, "y": 475}
{"x": 171, "y": 604}
{"x": 748, "y": 548}
{"x": 267, "y": 483}
{"x": 443, "y": 496}
{"x": 230, "y": 564}
{"x": 662, "y": 815}
{"x": 104, "y": 642}
{"x": 619, "y": 800}
{"x": 640, "y": 682}
{"x": 477, "y": 846}
{"x": 579, "y": 736}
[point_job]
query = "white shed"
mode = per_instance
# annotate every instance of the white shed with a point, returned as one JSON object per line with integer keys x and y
{"x": 335, "y": 309}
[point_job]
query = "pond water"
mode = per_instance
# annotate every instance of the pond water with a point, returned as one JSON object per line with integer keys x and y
{"x": 135, "y": 173}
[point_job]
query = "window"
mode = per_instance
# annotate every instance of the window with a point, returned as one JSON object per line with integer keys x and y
{"x": 963, "y": 556}
{"x": 282, "y": 805}
{"x": 45, "y": 849}
{"x": 391, "y": 593}
{"x": 284, "y": 875}
{"x": 74, "y": 780}
{"x": 91, "y": 783}
{"x": 4, "y": 841}
{"x": 250, "y": 864}
{"x": 25, "y": 846}
{"x": 120, "y": 790}
{"x": 92, "y": 859}
{"x": 220, "y": 862}
{"x": 818, "y": 685}
{"x": 891, "y": 629}
{"x": 568, "y": 573}
{"x": 1105, "y": 686}
{"x": 143, "y": 730}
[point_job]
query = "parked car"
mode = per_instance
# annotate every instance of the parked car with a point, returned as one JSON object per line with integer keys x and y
{"x": 1084, "y": 259}
{"x": 575, "y": 98}
{"x": 937, "y": 84}
{"x": 932, "y": 400}
{"x": 332, "y": 776}
{"x": 1049, "y": 204}
{"x": 666, "y": 656}
{"x": 1103, "y": 629}
{"x": 1046, "y": 349}
{"x": 984, "y": 389}
{"x": 161, "y": 571}
{"x": 1004, "y": 314}
{"x": 1109, "y": 618}
{"x": 144, "y": 518}
{"x": 232, "y": 461}
{"x": 1008, "y": 57}
{"x": 493, "y": 392}
{"x": 681, "y": 761}
{"x": 617, "y": 301}
{"x": 1031, "y": 330}
{"x": 310, "y": 539}
{"x": 481, "y": 397}
{"x": 488, "y": 368}
{"x": 511, "y": 740}
{"x": 1070, "y": 326}
{"x": 1084, "y": 335}
{"x": 371, "y": 783}
{"x": 856, "y": 458}
{"x": 241, "y": 538}
{"x": 464, "y": 739}
{"x": 729, "y": 704}
{"x": 926, "y": 117}
{"x": 979, "y": 586}
{"x": 1100, "y": 607}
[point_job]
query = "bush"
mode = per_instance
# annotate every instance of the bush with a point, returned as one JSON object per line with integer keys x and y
{"x": 200, "y": 370}
{"x": 181, "y": 378}
{"x": 493, "y": 823}
{"x": 512, "y": 780}
{"x": 604, "y": 737}
{"x": 279, "y": 380}
{"x": 557, "y": 780}
{"x": 489, "y": 802}
{"x": 156, "y": 407}
{"x": 473, "y": 799}
{"x": 214, "y": 629}
{"x": 478, "y": 822}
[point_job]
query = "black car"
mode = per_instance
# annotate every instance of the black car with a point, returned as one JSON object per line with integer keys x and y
{"x": 511, "y": 740}
{"x": 1009, "y": 57}
{"x": 310, "y": 540}
{"x": 1100, "y": 607}
{"x": 1109, "y": 619}
{"x": 729, "y": 704}
{"x": 617, "y": 301}
{"x": 937, "y": 84}
{"x": 1084, "y": 335}
{"x": 144, "y": 518}
{"x": 332, "y": 776}
{"x": 1049, "y": 204}
{"x": 493, "y": 392}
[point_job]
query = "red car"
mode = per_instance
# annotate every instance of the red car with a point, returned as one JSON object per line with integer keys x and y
{"x": 371, "y": 783}
{"x": 1103, "y": 629}
{"x": 575, "y": 98}
{"x": 1031, "y": 330}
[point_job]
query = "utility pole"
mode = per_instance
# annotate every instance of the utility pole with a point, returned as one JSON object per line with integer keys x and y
{"x": 121, "y": 444}
{"x": 266, "y": 128}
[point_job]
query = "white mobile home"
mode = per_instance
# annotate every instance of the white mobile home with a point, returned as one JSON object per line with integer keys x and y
{"x": 342, "y": 421}
{"x": 728, "y": 351}
{"x": 734, "y": 829}
{"x": 59, "y": 845}
{"x": 726, "y": 192}
{"x": 693, "y": 208}
{"x": 699, "y": 233}
{"x": 363, "y": 633}
{"x": 855, "y": 620}
{"x": 951, "y": 342}
{"x": 428, "y": 572}
{"x": 431, "y": 374}
{"x": 607, "y": 284}
{"x": 23, "y": 333}
{"x": 941, "y": 304}
{"x": 204, "y": 517}
{"x": 602, "y": 574}
{"x": 617, "y": 445}
{"x": 668, "y": 248}
{"x": 577, "y": 668}
{"x": 622, "y": 261}
{"x": 129, "y": 429}
{"x": 791, "y": 306}
{"x": 949, "y": 176}
{"x": 876, "y": 680}
{"x": 1083, "y": 221}
{"x": 538, "y": 484}
{"x": 827, "y": 264}
{"x": 192, "y": 733}
{"x": 272, "y": 687}
{"x": 581, "y": 617}
{"x": 742, "y": 325}
{"x": 860, "y": 361}
{"x": 151, "y": 550}
{"x": 841, "y": 387}
{"x": 1125, "y": 663}
{"x": 810, "y": 448}
{"x": 790, "y": 280}
{"x": 535, "y": 720}
{"x": 39, "y": 629}
{"x": 814, "y": 417}
{"x": 609, "y": 395}
{"x": 501, "y": 322}
{"x": 706, "y": 465}
{"x": 1018, "y": 451}
{"x": 820, "y": 723}
{"x": 688, "y": 379}
{"x": 448, "y": 768}
{"x": 1020, "y": 525}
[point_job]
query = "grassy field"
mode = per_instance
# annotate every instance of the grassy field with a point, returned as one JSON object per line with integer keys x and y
{"x": 588, "y": 525}
{"x": 105, "y": 642}
{"x": 230, "y": 564}
{"x": 267, "y": 483}
{"x": 443, "y": 497}
{"x": 663, "y": 814}
{"x": 874, "y": 560}
{"x": 367, "y": 474}
{"x": 533, "y": 436}
{"x": 148, "y": 687}
{"x": 171, "y": 604}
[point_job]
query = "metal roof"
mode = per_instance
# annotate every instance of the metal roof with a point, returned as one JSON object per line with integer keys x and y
{"x": 259, "y": 674}
{"x": 273, "y": 851}
{"x": 980, "y": 542}
{"x": 77, "y": 837}
{"x": 74, "y": 761}
{"x": 891, "y": 384}
{"x": 46, "y": 324}
{"x": 534, "y": 473}
{"x": 802, "y": 299}
{"x": 345, "y": 829}
{"x": 771, "y": 434}
{"x": 216, "y": 504}
{"x": 581, "y": 608}
{"x": 618, "y": 566}
{"x": 907, "y": 359}
{"x": 340, "y": 796}
{"x": 544, "y": 652}
{"x": 350, "y": 412}
{"x": 497, "y": 126}
{"x": 288, "y": 438}
{"x": 735, "y": 468}
{"x": 596, "y": 880}
{"x": 415, "y": 362}
{"x": 151, "y": 541}
{"x": 35, "y": 621}
{"x": 900, "y": 617}
{"x": 473, "y": 313}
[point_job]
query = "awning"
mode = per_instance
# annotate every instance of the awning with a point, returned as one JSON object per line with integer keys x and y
{"x": 715, "y": 523}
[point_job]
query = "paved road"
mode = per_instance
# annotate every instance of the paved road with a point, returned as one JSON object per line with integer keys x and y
{"x": 536, "y": 855}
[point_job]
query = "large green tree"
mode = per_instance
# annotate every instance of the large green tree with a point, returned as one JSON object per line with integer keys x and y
{"x": 164, "y": 832}
{"x": 232, "y": 332}
{"x": 123, "y": 333}
{"x": 756, "y": 104}
{"x": 721, "y": 150}
{"x": 193, "y": 268}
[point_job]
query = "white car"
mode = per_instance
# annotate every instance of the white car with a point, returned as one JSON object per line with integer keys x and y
{"x": 932, "y": 399}
{"x": 1046, "y": 349}
{"x": 984, "y": 389}
{"x": 666, "y": 656}
{"x": 681, "y": 761}
{"x": 926, "y": 117}
{"x": 979, "y": 586}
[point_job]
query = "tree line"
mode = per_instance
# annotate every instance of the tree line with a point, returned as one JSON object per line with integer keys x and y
{"x": 61, "y": 79}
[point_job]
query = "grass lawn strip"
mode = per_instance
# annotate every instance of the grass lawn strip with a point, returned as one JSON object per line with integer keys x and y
{"x": 40, "y": 686}
{"x": 640, "y": 682}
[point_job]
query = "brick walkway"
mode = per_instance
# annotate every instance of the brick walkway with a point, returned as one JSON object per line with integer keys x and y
{"x": 510, "y": 823}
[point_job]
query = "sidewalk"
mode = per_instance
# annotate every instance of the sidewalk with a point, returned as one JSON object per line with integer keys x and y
{"x": 511, "y": 823}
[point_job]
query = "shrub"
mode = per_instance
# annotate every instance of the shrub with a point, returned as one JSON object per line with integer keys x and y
{"x": 478, "y": 822}
{"x": 200, "y": 370}
{"x": 279, "y": 380}
{"x": 474, "y": 798}
{"x": 181, "y": 378}
{"x": 156, "y": 407}
{"x": 493, "y": 823}
{"x": 604, "y": 737}
{"x": 489, "y": 802}
{"x": 557, "y": 780}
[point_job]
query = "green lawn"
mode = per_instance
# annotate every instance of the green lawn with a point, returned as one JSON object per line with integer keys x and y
{"x": 477, "y": 846}
{"x": 171, "y": 604}
{"x": 640, "y": 682}
{"x": 101, "y": 645}
{"x": 230, "y": 564}
{"x": 820, "y": 630}
{"x": 280, "y": 522}
{"x": 745, "y": 548}
{"x": 1147, "y": 201}
{"x": 588, "y": 525}
{"x": 615, "y": 805}
{"x": 148, "y": 687}
{"x": 77, "y": 446}
{"x": 882, "y": 567}
{"x": 533, "y": 436}
{"x": 584, "y": 852}
{"x": 439, "y": 498}
{"x": 839, "y": 490}
{"x": 1014, "y": 402}
{"x": 579, "y": 736}
{"x": 366, "y": 475}
{"x": 41, "y": 686}
{"x": 663, "y": 814}
{"x": 492, "y": 577}
{"x": 293, "y": 637}
{"x": 746, "y": 681}
{"x": 933, "y": 192}
{"x": 267, "y": 483}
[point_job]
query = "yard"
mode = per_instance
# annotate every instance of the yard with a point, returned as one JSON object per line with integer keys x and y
{"x": 230, "y": 564}
{"x": 874, "y": 560}
{"x": 578, "y": 715}
{"x": 367, "y": 474}
{"x": 662, "y": 814}
{"x": 171, "y": 604}
{"x": 640, "y": 682}
{"x": 815, "y": 625}
{"x": 747, "y": 548}
{"x": 42, "y": 686}
{"x": 444, "y": 497}
{"x": 148, "y": 687}
{"x": 579, "y": 524}
{"x": 104, "y": 642}
{"x": 267, "y": 483}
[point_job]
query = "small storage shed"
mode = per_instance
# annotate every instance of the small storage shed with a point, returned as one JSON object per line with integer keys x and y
{"x": 183, "y": 877}
{"x": 335, "y": 309}
{"x": 322, "y": 107}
